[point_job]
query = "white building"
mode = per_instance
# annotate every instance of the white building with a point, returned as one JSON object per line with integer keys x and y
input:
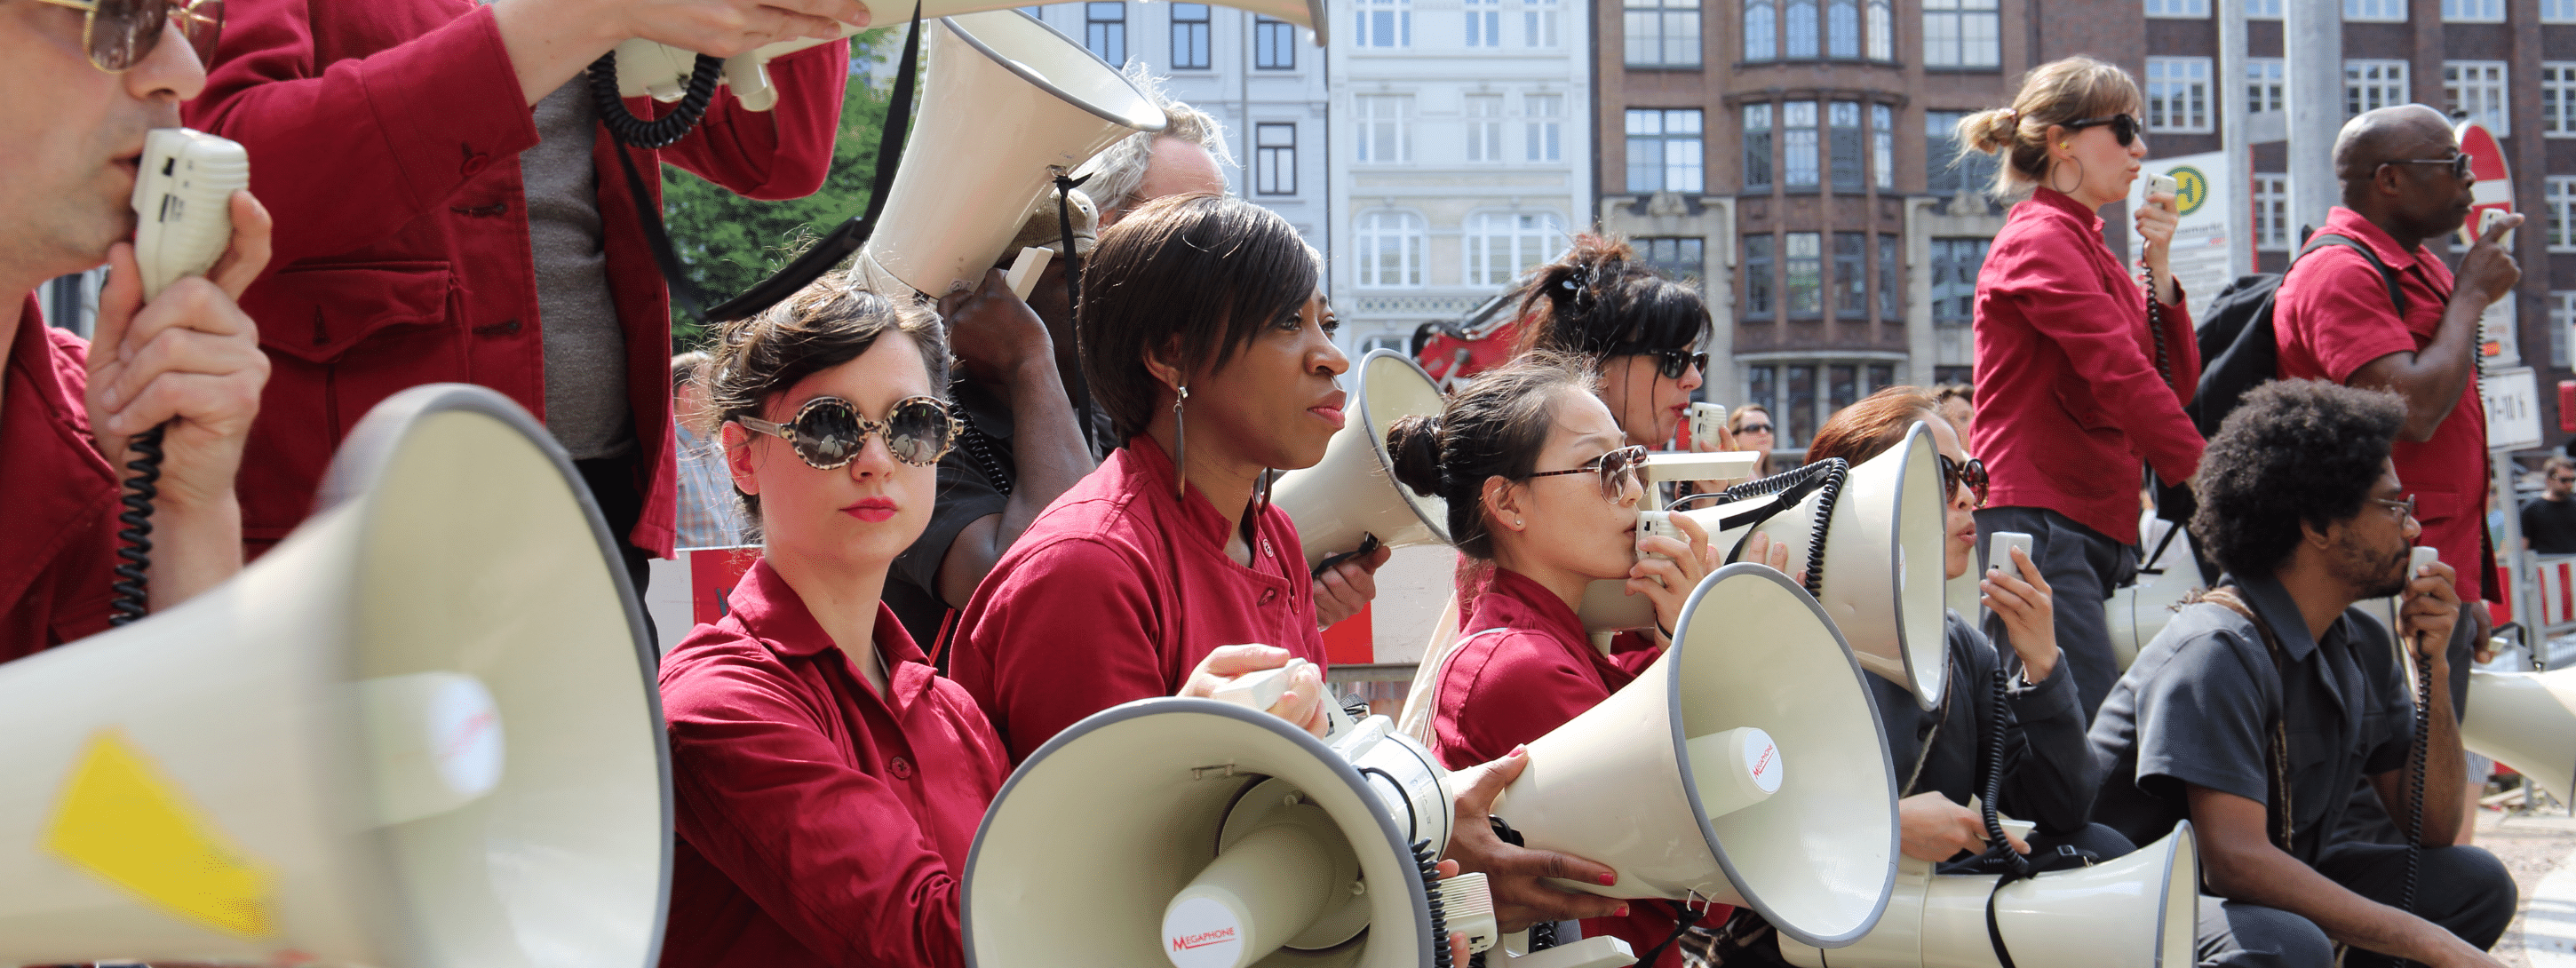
{"x": 1460, "y": 154}
{"x": 1262, "y": 79}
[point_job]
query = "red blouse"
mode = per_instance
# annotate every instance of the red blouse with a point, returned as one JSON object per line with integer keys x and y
{"x": 819, "y": 823}
{"x": 59, "y": 537}
{"x": 1116, "y": 593}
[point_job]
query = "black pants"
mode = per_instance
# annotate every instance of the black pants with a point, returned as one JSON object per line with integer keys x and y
{"x": 2082, "y": 567}
{"x": 2463, "y": 889}
{"x": 616, "y": 485}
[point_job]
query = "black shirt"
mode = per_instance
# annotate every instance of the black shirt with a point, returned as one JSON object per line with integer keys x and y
{"x": 2048, "y": 776}
{"x": 2197, "y": 707}
{"x": 2550, "y": 525}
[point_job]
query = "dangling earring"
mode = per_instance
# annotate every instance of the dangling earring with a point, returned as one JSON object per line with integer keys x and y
{"x": 2079, "y": 178}
{"x": 1180, "y": 446}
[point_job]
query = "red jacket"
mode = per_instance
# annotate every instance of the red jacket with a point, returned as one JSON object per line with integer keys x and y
{"x": 384, "y": 137}
{"x": 2068, "y": 400}
{"x": 58, "y": 496}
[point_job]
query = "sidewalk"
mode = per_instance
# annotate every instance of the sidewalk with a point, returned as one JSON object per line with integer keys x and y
{"x": 2540, "y": 850}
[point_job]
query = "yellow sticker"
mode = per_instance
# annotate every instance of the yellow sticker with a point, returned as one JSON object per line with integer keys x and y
{"x": 125, "y": 823}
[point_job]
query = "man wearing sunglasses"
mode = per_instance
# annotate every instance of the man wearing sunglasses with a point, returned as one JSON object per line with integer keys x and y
{"x": 452, "y": 208}
{"x": 190, "y": 358}
{"x": 2405, "y": 183}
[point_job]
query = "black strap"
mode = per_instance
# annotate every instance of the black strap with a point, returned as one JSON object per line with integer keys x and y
{"x": 1064, "y": 186}
{"x": 1994, "y": 930}
{"x": 2387, "y": 276}
{"x": 685, "y": 298}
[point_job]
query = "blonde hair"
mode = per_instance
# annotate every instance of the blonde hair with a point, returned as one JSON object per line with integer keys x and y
{"x": 2055, "y": 93}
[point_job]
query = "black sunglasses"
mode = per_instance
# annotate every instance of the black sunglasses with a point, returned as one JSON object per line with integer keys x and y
{"x": 1754, "y": 428}
{"x": 1617, "y": 469}
{"x": 119, "y": 34}
{"x": 1953, "y": 474}
{"x": 2123, "y": 127}
{"x": 828, "y": 432}
{"x": 2459, "y": 164}
{"x": 1671, "y": 363}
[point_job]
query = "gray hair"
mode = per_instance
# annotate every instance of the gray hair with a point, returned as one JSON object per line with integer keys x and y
{"x": 1119, "y": 170}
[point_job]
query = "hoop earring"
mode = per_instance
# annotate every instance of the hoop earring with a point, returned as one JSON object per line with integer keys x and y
{"x": 2079, "y": 178}
{"x": 1180, "y": 446}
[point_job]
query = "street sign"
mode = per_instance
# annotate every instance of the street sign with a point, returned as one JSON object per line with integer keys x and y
{"x": 2199, "y": 254}
{"x": 2499, "y": 329}
{"x": 2513, "y": 408}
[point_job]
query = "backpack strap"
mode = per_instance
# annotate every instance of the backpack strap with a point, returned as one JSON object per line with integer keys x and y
{"x": 2388, "y": 276}
{"x": 2276, "y": 807}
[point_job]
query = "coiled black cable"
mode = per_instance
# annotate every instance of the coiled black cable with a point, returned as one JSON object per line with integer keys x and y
{"x": 1830, "y": 493}
{"x": 1826, "y": 475}
{"x": 1426, "y": 864}
{"x": 662, "y": 131}
{"x": 133, "y": 576}
{"x": 1996, "y": 843}
{"x": 2417, "y": 761}
{"x": 1776, "y": 483}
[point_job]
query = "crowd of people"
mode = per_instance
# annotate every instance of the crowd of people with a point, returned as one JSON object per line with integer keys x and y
{"x": 955, "y": 566}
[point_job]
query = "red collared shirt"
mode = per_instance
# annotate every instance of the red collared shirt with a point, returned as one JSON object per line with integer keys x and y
{"x": 57, "y": 492}
{"x": 2332, "y": 316}
{"x": 819, "y": 824}
{"x": 2068, "y": 400}
{"x": 1116, "y": 592}
{"x": 1500, "y": 689}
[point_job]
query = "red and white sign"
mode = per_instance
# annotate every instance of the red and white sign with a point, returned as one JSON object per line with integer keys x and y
{"x": 688, "y": 591}
{"x": 2498, "y": 333}
{"x": 2555, "y": 578}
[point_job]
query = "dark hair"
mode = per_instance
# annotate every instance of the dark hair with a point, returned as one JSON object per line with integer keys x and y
{"x": 1868, "y": 428}
{"x": 1600, "y": 300}
{"x": 822, "y": 326}
{"x": 1493, "y": 428}
{"x": 2293, "y": 451}
{"x": 1204, "y": 271}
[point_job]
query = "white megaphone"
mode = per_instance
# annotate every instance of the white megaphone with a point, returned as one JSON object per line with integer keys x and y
{"x": 1352, "y": 493}
{"x": 2137, "y": 911}
{"x": 660, "y": 71}
{"x": 423, "y": 731}
{"x": 1884, "y": 577}
{"x": 2526, "y": 720}
{"x": 1009, "y": 104}
{"x": 1745, "y": 766}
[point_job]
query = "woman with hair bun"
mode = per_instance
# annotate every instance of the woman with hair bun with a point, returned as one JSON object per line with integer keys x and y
{"x": 1641, "y": 331}
{"x": 2078, "y": 374}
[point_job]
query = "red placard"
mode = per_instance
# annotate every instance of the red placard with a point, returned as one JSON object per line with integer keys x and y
{"x": 712, "y": 574}
{"x": 1351, "y": 641}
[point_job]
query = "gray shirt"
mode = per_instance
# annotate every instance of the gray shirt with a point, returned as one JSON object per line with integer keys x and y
{"x": 585, "y": 347}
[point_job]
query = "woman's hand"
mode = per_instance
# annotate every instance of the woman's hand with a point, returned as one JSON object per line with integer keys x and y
{"x": 1302, "y": 704}
{"x": 2028, "y": 613}
{"x": 1669, "y": 569}
{"x": 1760, "y": 549}
{"x": 2156, "y": 223}
{"x": 1515, "y": 874}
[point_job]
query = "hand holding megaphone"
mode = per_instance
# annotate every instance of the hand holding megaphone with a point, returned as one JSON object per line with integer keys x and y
{"x": 1933, "y": 828}
{"x": 1263, "y": 677}
{"x": 724, "y": 28}
{"x": 1517, "y": 875}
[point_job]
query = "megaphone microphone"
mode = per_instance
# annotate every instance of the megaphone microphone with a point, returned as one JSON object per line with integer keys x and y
{"x": 1351, "y": 496}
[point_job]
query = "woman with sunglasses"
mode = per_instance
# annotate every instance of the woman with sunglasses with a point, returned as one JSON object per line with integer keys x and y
{"x": 1750, "y": 428}
{"x": 2078, "y": 373}
{"x": 1641, "y": 331}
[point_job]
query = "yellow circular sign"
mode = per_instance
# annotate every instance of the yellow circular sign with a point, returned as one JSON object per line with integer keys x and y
{"x": 2193, "y": 190}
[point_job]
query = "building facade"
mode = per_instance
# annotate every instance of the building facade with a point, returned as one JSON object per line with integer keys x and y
{"x": 1459, "y": 154}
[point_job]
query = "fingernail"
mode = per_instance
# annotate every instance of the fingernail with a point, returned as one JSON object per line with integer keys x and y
{"x": 1521, "y": 750}
{"x": 1609, "y": 879}
{"x": 1621, "y": 912}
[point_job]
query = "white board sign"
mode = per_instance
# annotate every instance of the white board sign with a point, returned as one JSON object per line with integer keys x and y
{"x": 2513, "y": 408}
{"x": 2199, "y": 253}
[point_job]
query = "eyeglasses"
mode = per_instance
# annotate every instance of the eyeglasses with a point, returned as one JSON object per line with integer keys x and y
{"x": 828, "y": 432}
{"x": 1618, "y": 469}
{"x": 121, "y": 33}
{"x": 1953, "y": 474}
{"x": 1671, "y": 363}
{"x": 2123, "y": 127}
{"x": 2459, "y": 164}
{"x": 2403, "y": 509}
{"x": 1755, "y": 428}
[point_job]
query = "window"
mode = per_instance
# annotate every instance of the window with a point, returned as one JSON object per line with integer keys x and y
{"x": 1538, "y": 23}
{"x": 1383, "y": 23}
{"x": 1945, "y": 173}
{"x": 1274, "y": 45}
{"x": 1851, "y": 275}
{"x": 1806, "y": 274}
{"x": 1842, "y": 387}
{"x": 1664, "y": 151}
{"x": 2476, "y": 88}
{"x": 1955, "y": 263}
{"x": 1761, "y": 387}
{"x": 1274, "y": 159}
{"x": 1954, "y": 374}
{"x": 1484, "y": 23}
{"x": 1189, "y": 36}
{"x": 1390, "y": 249}
{"x": 2562, "y": 316}
{"x": 1798, "y": 118}
{"x": 1962, "y": 33}
{"x": 1546, "y": 124}
{"x": 1757, "y": 147}
{"x": 1845, "y": 116}
{"x": 2369, "y": 85}
{"x": 2266, "y": 84}
{"x": 1681, "y": 259}
{"x": 1485, "y": 127}
{"x": 2272, "y": 213}
{"x": 1762, "y": 30}
{"x": 1801, "y": 409}
{"x": 2263, "y": 9}
{"x": 2177, "y": 94}
{"x": 1882, "y": 31}
{"x": 1882, "y": 146}
{"x": 1842, "y": 29}
{"x": 2193, "y": 9}
{"x": 2558, "y": 11}
{"x": 1663, "y": 33}
{"x": 2558, "y": 196}
{"x": 2473, "y": 11}
{"x": 1802, "y": 29}
{"x": 2386, "y": 11}
{"x": 1500, "y": 245}
{"x": 1757, "y": 276}
{"x": 1105, "y": 30}
{"x": 1385, "y": 128}
{"x": 1891, "y": 281}
{"x": 2558, "y": 98}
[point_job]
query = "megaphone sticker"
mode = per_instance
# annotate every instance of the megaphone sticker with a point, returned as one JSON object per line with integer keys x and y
{"x": 125, "y": 823}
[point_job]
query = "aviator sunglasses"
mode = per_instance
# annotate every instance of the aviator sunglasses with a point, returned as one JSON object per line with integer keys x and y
{"x": 2123, "y": 127}
{"x": 1618, "y": 469}
{"x": 119, "y": 34}
{"x": 828, "y": 432}
{"x": 1972, "y": 474}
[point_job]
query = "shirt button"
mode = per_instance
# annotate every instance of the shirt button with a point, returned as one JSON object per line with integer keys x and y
{"x": 1265, "y": 549}
{"x": 1268, "y": 596}
{"x": 902, "y": 768}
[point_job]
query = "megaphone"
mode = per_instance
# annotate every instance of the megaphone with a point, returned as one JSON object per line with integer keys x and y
{"x": 661, "y": 71}
{"x": 2137, "y": 911}
{"x": 1883, "y": 575}
{"x": 422, "y": 731}
{"x": 1352, "y": 492}
{"x": 1745, "y": 767}
{"x": 2526, "y": 720}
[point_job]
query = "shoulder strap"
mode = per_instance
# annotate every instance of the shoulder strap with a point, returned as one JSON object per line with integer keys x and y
{"x": 2387, "y": 276}
{"x": 2276, "y": 807}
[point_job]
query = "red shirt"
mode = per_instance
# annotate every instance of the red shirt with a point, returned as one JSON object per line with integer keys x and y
{"x": 1501, "y": 690}
{"x": 384, "y": 137}
{"x": 1116, "y": 592}
{"x": 2332, "y": 316}
{"x": 2068, "y": 400}
{"x": 819, "y": 824}
{"x": 57, "y": 491}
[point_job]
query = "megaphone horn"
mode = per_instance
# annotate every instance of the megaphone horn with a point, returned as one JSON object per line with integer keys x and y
{"x": 2137, "y": 911}
{"x": 1745, "y": 766}
{"x": 2526, "y": 720}
{"x": 1352, "y": 492}
{"x": 1883, "y": 572}
{"x": 421, "y": 732}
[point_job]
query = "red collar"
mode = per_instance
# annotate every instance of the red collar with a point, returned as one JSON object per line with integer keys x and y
{"x": 769, "y": 610}
{"x": 2060, "y": 201}
{"x": 2353, "y": 225}
{"x": 1151, "y": 477}
{"x": 61, "y": 482}
{"x": 1516, "y": 600}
